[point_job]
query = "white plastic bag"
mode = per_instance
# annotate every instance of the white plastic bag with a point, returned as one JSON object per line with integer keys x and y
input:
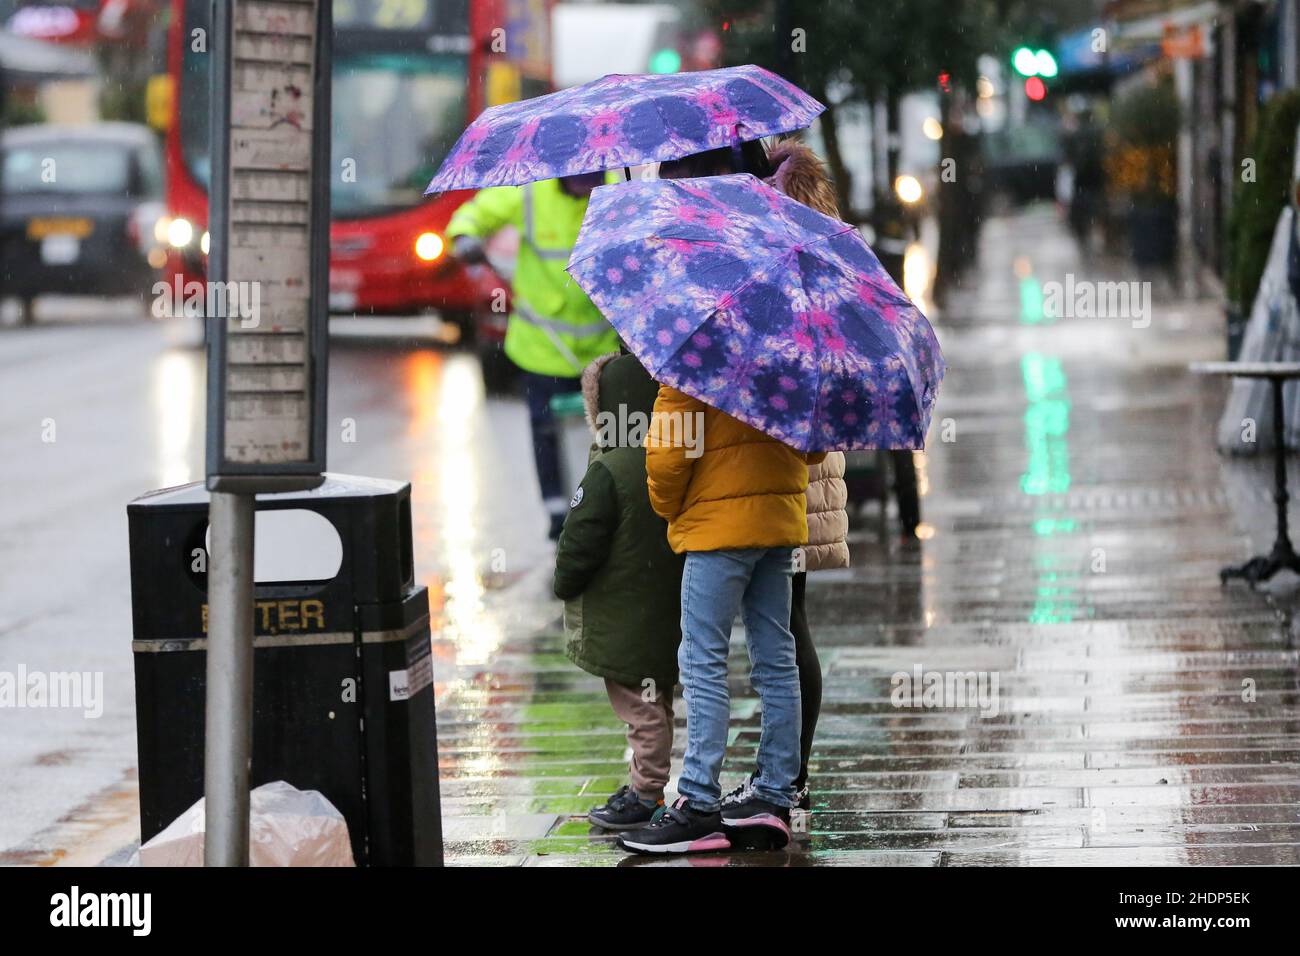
{"x": 287, "y": 827}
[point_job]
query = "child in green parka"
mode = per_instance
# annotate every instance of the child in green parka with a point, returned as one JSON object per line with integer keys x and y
{"x": 621, "y": 584}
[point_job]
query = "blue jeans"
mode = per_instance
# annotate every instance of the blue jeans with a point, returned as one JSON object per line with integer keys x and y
{"x": 715, "y": 585}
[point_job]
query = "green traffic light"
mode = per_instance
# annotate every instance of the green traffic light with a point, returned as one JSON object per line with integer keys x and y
{"x": 1034, "y": 62}
{"x": 1025, "y": 61}
{"x": 666, "y": 60}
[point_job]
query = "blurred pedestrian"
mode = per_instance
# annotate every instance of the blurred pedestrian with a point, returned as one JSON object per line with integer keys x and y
{"x": 1085, "y": 151}
{"x": 553, "y": 331}
{"x": 622, "y": 585}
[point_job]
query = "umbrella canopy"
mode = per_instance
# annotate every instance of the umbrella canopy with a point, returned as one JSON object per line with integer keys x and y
{"x": 622, "y": 121}
{"x": 764, "y": 308}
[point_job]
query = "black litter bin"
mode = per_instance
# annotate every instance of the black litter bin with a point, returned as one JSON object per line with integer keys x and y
{"x": 342, "y": 673}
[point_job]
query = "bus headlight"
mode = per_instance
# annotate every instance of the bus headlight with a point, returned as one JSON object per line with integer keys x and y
{"x": 180, "y": 232}
{"x": 205, "y": 242}
{"x": 429, "y": 246}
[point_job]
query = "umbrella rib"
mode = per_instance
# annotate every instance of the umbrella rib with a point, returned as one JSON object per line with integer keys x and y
{"x": 708, "y": 315}
{"x": 817, "y": 359}
{"x": 883, "y": 288}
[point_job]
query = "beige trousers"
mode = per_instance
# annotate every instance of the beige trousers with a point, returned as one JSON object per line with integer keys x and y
{"x": 649, "y": 734}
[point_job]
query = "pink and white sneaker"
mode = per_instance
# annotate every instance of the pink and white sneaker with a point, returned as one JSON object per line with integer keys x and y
{"x": 755, "y": 824}
{"x": 679, "y": 829}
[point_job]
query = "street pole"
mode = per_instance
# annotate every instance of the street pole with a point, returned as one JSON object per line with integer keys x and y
{"x": 4, "y": 123}
{"x": 228, "y": 737}
{"x": 1188, "y": 285}
{"x": 268, "y": 366}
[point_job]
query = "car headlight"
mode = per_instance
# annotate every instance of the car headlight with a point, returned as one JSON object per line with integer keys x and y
{"x": 429, "y": 246}
{"x": 180, "y": 232}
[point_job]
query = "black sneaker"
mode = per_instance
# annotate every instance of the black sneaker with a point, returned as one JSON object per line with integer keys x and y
{"x": 756, "y": 824}
{"x": 623, "y": 811}
{"x": 741, "y": 793}
{"x": 746, "y": 789}
{"x": 678, "y": 829}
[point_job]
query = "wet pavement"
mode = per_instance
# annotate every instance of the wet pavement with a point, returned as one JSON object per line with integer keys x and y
{"x": 1073, "y": 529}
{"x": 1074, "y": 524}
{"x": 123, "y": 401}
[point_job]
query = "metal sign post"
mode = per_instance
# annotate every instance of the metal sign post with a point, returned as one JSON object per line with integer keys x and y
{"x": 267, "y": 324}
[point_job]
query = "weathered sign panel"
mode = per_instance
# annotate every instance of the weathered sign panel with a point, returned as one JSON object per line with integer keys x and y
{"x": 269, "y": 226}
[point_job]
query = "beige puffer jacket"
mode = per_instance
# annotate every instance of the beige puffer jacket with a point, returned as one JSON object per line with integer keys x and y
{"x": 801, "y": 176}
{"x": 828, "y": 521}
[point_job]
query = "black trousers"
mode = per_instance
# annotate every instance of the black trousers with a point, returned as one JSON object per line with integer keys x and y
{"x": 538, "y": 391}
{"x": 810, "y": 675}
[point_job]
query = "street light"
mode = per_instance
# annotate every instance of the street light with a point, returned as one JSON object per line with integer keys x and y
{"x": 908, "y": 189}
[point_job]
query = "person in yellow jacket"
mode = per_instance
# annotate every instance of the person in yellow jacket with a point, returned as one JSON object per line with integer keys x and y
{"x": 554, "y": 331}
{"x": 734, "y": 501}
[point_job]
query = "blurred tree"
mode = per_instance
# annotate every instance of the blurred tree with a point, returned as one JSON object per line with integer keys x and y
{"x": 862, "y": 52}
{"x": 847, "y": 51}
{"x": 1261, "y": 197}
{"x": 851, "y": 51}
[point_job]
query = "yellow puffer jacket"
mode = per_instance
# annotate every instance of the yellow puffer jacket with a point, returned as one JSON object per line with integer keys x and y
{"x": 720, "y": 483}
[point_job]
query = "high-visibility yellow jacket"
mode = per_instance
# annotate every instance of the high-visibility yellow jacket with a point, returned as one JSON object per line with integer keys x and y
{"x": 553, "y": 329}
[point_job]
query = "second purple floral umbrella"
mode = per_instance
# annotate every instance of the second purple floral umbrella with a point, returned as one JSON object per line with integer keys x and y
{"x": 619, "y": 121}
{"x": 764, "y": 308}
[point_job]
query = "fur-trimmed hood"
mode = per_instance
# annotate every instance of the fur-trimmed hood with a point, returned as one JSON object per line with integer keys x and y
{"x": 619, "y": 386}
{"x": 591, "y": 388}
{"x": 801, "y": 175}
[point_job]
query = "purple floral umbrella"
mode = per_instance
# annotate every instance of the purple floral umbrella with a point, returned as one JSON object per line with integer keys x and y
{"x": 764, "y": 308}
{"x": 622, "y": 121}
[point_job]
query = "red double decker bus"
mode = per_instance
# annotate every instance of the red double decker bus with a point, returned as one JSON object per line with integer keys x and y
{"x": 408, "y": 76}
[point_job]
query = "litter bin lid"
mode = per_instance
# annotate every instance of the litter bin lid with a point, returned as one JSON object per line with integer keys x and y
{"x": 336, "y": 485}
{"x": 568, "y": 405}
